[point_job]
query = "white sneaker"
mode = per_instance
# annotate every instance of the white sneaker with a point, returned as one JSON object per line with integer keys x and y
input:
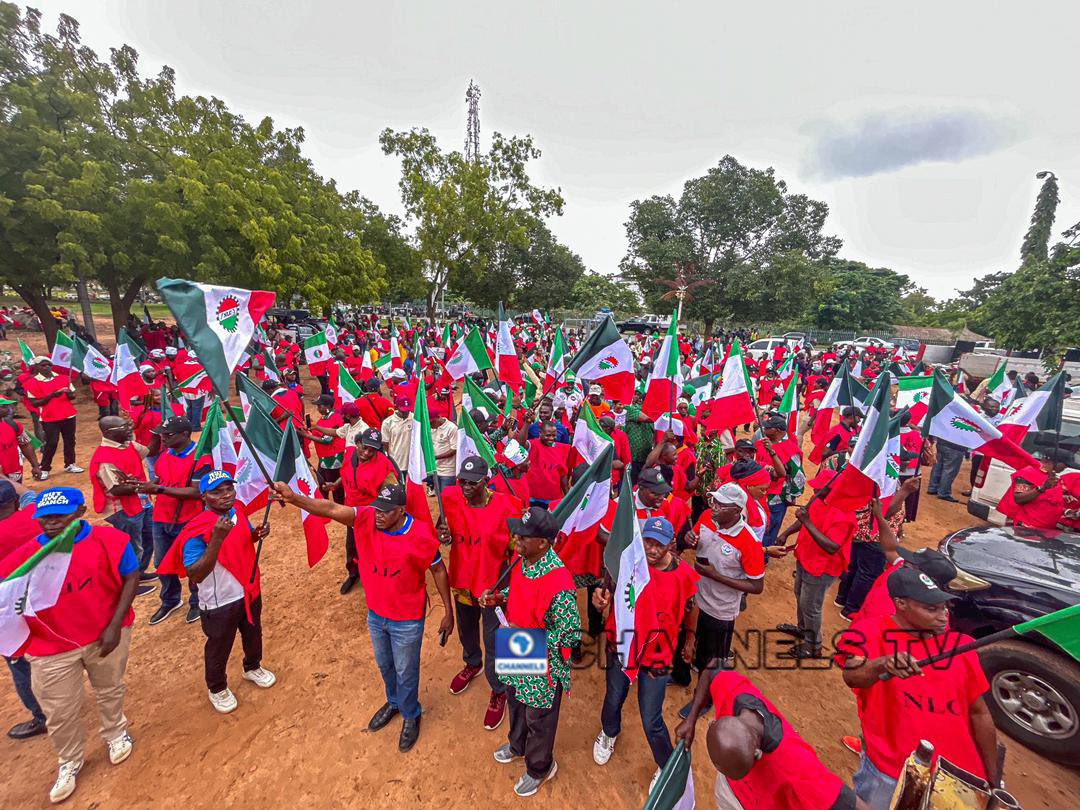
{"x": 603, "y": 748}
{"x": 120, "y": 748}
{"x": 73, "y": 468}
{"x": 44, "y": 475}
{"x": 65, "y": 782}
{"x": 261, "y": 677}
{"x": 224, "y": 701}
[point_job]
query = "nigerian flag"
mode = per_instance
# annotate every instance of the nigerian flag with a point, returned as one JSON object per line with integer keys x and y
{"x": 624, "y": 558}
{"x": 35, "y": 584}
{"x": 674, "y": 787}
{"x": 421, "y": 458}
{"x": 257, "y": 454}
{"x": 469, "y": 355}
{"x": 590, "y": 440}
{"x": 348, "y": 388}
{"x": 219, "y": 322}
{"x": 215, "y": 447}
{"x": 999, "y": 385}
{"x": 63, "y": 350}
{"x": 586, "y": 503}
{"x": 25, "y": 351}
{"x": 471, "y": 442}
{"x": 473, "y": 396}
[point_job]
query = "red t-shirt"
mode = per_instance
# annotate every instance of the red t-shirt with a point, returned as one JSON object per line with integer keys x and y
{"x": 58, "y": 408}
{"x": 878, "y": 603}
{"x": 363, "y": 479}
{"x": 17, "y": 528}
{"x": 521, "y": 492}
{"x": 374, "y": 408}
{"x": 392, "y": 565}
{"x": 658, "y": 614}
{"x": 622, "y": 453}
{"x": 479, "y": 538}
{"x": 896, "y": 714}
{"x": 788, "y": 777}
{"x": 547, "y": 466}
{"x": 839, "y": 527}
{"x": 10, "y": 455}
{"x": 337, "y": 446}
{"x": 784, "y": 451}
{"x": 178, "y": 471}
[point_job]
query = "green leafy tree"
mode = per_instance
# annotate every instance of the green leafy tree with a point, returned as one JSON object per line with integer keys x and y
{"x": 734, "y": 226}
{"x": 540, "y": 275}
{"x": 1037, "y": 239}
{"x": 383, "y": 234}
{"x": 594, "y": 291}
{"x": 851, "y": 295}
{"x": 468, "y": 213}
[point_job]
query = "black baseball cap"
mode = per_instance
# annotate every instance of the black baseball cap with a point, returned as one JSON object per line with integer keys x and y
{"x": 534, "y": 522}
{"x": 326, "y": 400}
{"x": 653, "y": 481}
{"x": 371, "y": 438}
{"x": 775, "y": 422}
{"x": 473, "y": 468}
{"x": 932, "y": 563}
{"x": 744, "y": 444}
{"x": 390, "y": 496}
{"x": 911, "y": 583}
{"x": 172, "y": 426}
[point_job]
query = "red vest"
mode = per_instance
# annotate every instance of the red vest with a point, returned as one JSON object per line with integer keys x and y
{"x": 128, "y": 461}
{"x": 530, "y": 599}
{"x": 87, "y": 598}
{"x": 392, "y": 566}
{"x": 362, "y": 481}
{"x": 175, "y": 471}
{"x": 479, "y": 538}
{"x": 236, "y": 555}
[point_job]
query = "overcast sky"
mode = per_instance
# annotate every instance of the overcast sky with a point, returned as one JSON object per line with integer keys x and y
{"x": 920, "y": 124}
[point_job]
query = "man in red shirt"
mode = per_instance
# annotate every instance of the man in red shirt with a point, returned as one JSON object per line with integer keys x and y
{"x": 329, "y": 447}
{"x": 761, "y": 761}
{"x": 86, "y": 627}
{"x": 374, "y": 407}
{"x": 822, "y": 551}
{"x": 549, "y": 471}
{"x": 942, "y": 703}
{"x": 15, "y": 445}
{"x": 53, "y": 395}
{"x": 664, "y": 607}
{"x": 476, "y": 531}
{"x": 397, "y": 550}
{"x": 774, "y": 451}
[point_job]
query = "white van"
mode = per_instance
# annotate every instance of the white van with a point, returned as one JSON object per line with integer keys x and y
{"x": 991, "y": 485}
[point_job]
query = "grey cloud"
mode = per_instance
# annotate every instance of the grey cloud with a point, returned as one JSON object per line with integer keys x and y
{"x": 886, "y": 141}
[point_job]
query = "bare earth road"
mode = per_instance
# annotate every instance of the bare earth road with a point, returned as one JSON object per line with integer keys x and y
{"x": 303, "y": 743}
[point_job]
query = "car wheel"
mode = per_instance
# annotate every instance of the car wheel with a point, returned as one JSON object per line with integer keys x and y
{"x": 1035, "y": 697}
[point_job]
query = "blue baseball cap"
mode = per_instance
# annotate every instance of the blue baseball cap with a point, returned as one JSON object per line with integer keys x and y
{"x": 658, "y": 529}
{"x": 58, "y": 501}
{"x": 214, "y": 479}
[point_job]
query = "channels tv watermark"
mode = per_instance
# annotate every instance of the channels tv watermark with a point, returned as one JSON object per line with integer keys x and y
{"x": 520, "y": 651}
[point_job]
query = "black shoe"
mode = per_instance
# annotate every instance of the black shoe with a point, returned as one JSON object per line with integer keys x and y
{"x": 193, "y": 614}
{"x": 163, "y": 612}
{"x": 410, "y": 733}
{"x": 948, "y": 498}
{"x": 790, "y": 629}
{"x": 347, "y": 585}
{"x": 382, "y": 717}
{"x": 24, "y": 731}
{"x": 966, "y": 493}
{"x": 144, "y": 589}
{"x": 145, "y": 577}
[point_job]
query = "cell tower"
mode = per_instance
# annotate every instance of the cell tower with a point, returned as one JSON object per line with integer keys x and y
{"x": 472, "y": 126}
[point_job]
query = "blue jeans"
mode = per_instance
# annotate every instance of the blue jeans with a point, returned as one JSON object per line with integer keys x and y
{"x": 20, "y": 674}
{"x": 949, "y": 459}
{"x": 164, "y": 535}
{"x": 140, "y": 528}
{"x": 194, "y": 412}
{"x": 397, "y": 653}
{"x": 777, "y": 511}
{"x": 871, "y": 785}
{"x": 651, "y": 688}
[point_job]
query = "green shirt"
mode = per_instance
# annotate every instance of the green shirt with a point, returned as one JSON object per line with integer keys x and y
{"x": 642, "y": 435}
{"x": 563, "y": 624}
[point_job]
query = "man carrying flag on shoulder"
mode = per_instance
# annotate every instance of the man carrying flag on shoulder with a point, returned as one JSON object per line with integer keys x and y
{"x": 65, "y": 604}
{"x": 476, "y": 531}
{"x": 774, "y": 450}
{"x": 216, "y": 549}
{"x": 540, "y": 595}
{"x": 397, "y": 550}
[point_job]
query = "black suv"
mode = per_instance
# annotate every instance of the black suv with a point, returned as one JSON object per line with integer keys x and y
{"x": 1034, "y": 684}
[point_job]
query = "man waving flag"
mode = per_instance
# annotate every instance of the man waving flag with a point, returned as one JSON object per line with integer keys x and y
{"x": 874, "y": 466}
{"x": 665, "y": 378}
{"x": 292, "y": 468}
{"x": 219, "y": 322}
{"x": 421, "y": 458}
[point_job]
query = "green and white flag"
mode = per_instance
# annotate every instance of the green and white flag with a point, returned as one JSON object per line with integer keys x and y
{"x": 252, "y": 487}
{"x": 421, "y": 457}
{"x": 590, "y": 440}
{"x": 25, "y": 351}
{"x": 219, "y": 322}
{"x": 470, "y": 355}
{"x": 348, "y": 388}
{"x": 999, "y": 386}
{"x": 473, "y": 396}
{"x": 95, "y": 365}
{"x": 331, "y": 332}
{"x": 270, "y": 367}
{"x": 292, "y": 468}
{"x": 316, "y": 353}
{"x": 951, "y": 418}
{"x": 674, "y": 787}
{"x": 587, "y": 501}
{"x": 215, "y": 446}
{"x": 624, "y": 558}
{"x": 874, "y": 462}
{"x": 556, "y": 362}
{"x": 62, "y": 351}
{"x": 914, "y": 394}
{"x": 35, "y": 585}
{"x": 471, "y": 442}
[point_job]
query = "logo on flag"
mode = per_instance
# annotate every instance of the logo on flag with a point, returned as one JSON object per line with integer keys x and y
{"x": 99, "y": 363}
{"x": 304, "y": 487}
{"x": 609, "y": 363}
{"x": 228, "y": 314}
{"x": 960, "y": 423}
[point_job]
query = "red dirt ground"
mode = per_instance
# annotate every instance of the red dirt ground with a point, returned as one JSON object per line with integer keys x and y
{"x": 304, "y": 744}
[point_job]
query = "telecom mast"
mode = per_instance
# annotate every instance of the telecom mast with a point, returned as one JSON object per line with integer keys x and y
{"x": 472, "y": 126}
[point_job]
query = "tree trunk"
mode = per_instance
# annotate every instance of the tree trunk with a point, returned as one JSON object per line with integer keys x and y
{"x": 36, "y": 300}
{"x": 84, "y": 302}
{"x": 120, "y": 305}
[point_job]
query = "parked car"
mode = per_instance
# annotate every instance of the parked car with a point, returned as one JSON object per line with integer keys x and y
{"x": 797, "y": 336}
{"x": 644, "y": 324}
{"x": 763, "y": 349}
{"x": 992, "y": 483}
{"x": 1021, "y": 574}
{"x": 864, "y": 343}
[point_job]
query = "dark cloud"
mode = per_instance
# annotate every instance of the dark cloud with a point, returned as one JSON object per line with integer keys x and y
{"x": 884, "y": 142}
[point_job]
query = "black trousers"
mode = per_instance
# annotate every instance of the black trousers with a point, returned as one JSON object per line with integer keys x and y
{"x": 329, "y": 477}
{"x": 713, "y": 639}
{"x": 350, "y": 553}
{"x": 532, "y": 733}
{"x": 220, "y": 626}
{"x": 470, "y": 619}
{"x": 53, "y": 432}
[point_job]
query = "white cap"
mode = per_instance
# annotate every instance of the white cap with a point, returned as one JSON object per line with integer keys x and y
{"x": 729, "y": 493}
{"x": 596, "y": 389}
{"x": 157, "y": 353}
{"x": 146, "y": 367}
{"x": 398, "y": 373}
{"x": 170, "y": 351}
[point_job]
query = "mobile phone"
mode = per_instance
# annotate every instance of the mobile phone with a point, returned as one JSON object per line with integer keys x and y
{"x": 442, "y": 638}
{"x": 501, "y": 616}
